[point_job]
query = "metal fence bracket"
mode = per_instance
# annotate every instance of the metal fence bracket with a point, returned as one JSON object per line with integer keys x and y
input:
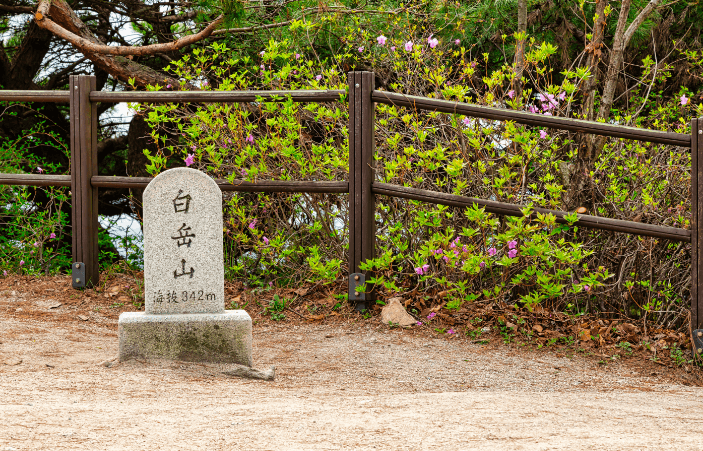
{"x": 355, "y": 281}
{"x": 698, "y": 343}
{"x": 78, "y": 275}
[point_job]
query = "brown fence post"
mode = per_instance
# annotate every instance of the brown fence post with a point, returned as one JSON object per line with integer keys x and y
{"x": 362, "y": 226}
{"x": 84, "y": 197}
{"x": 696, "y": 234}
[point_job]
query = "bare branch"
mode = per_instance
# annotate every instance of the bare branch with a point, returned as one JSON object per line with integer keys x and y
{"x": 88, "y": 45}
{"x": 641, "y": 17}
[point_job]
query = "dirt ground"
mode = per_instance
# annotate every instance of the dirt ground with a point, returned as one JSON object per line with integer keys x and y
{"x": 343, "y": 382}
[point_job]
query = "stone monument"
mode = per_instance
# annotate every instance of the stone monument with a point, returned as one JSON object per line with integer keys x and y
{"x": 184, "y": 289}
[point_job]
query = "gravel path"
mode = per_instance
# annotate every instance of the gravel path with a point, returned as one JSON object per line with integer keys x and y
{"x": 357, "y": 387}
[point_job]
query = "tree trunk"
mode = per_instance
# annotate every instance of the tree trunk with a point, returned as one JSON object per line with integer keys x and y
{"x": 520, "y": 49}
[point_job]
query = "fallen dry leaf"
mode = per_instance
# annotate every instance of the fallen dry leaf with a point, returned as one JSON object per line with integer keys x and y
{"x": 301, "y": 291}
{"x": 537, "y": 328}
{"x": 316, "y": 317}
{"x": 123, "y": 299}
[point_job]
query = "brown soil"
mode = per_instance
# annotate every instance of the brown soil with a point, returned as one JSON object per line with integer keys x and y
{"x": 342, "y": 382}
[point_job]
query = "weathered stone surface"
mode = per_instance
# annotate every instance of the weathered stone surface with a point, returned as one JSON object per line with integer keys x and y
{"x": 183, "y": 261}
{"x": 197, "y": 337}
{"x": 251, "y": 373}
{"x": 395, "y": 313}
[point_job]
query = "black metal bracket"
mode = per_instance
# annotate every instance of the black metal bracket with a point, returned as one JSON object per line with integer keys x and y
{"x": 78, "y": 275}
{"x": 359, "y": 297}
{"x": 697, "y": 337}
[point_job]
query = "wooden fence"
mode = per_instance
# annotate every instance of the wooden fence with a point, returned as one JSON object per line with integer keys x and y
{"x": 362, "y": 188}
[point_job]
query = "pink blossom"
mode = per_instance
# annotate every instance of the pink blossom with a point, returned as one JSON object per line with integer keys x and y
{"x": 361, "y": 49}
{"x": 297, "y": 56}
{"x": 419, "y": 323}
{"x": 189, "y": 159}
{"x": 250, "y": 139}
{"x": 492, "y": 251}
{"x": 512, "y": 253}
{"x": 262, "y": 53}
{"x": 457, "y": 41}
{"x": 295, "y": 72}
{"x": 4, "y": 273}
{"x": 532, "y": 109}
{"x": 586, "y": 288}
{"x": 433, "y": 42}
{"x": 21, "y": 262}
{"x": 168, "y": 86}
{"x": 542, "y": 134}
{"x": 512, "y": 244}
{"x": 381, "y": 40}
{"x": 266, "y": 240}
{"x": 451, "y": 331}
{"x": 684, "y": 99}
{"x": 562, "y": 96}
{"x": 36, "y": 244}
{"x": 392, "y": 48}
{"x": 446, "y": 259}
{"x": 318, "y": 77}
{"x": 252, "y": 224}
{"x": 482, "y": 265}
{"x": 193, "y": 147}
{"x": 431, "y": 315}
{"x": 466, "y": 121}
{"x": 408, "y": 46}
{"x": 52, "y": 236}
{"x": 547, "y": 113}
{"x": 40, "y": 170}
{"x": 205, "y": 83}
{"x": 262, "y": 67}
{"x": 511, "y": 93}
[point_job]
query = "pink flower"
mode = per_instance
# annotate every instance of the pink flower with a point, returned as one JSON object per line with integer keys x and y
{"x": 408, "y": 46}
{"x": 205, "y": 83}
{"x": 262, "y": 67}
{"x": 361, "y": 49}
{"x": 189, "y": 159}
{"x": 532, "y": 109}
{"x": 562, "y": 96}
{"x": 542, "y": 134}
{"x": 36, "y": 244}
{"x": 492, "y": 251}
{"x": 457, "y": 42}
{"x": 252, "y": 224}
{"x": 21, "y": 262}
{"x": 466, "y": 121}
{"x": 52, "y": 236}
{"x": 392, "y": 48}
{"x": 266, "y": 241}
{"x": 318, "y": 77}
{"x": 168, "y": 86}
{"x": 586, "y": 288}
{"x": 547, "y": 113}
{"x": 4, "y": 273}
{"x": 250, "y": 138}
{"x": 193, "y": 147}
{"x": 446, "y": 259}
{"x": 684, "y": 99}
{"x": 451, "y": 331}
{"x": 297, "y": 56}
{"x": 420, "y": 270}
{"x": 262, "y": 53}
{"x": 431, "y": 315}
{"x": 381, "y": 40}
{"x": 433, "y": 42}
{"x": 40, "y": 170}
{"x": 511, "y": 93}
{"x": 512, "y": 253}
{"x": 512, "y": 244}
{"x": 419, "y": 323}
{"x": 482, "y": 265}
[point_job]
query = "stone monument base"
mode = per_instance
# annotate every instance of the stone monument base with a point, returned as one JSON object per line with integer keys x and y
{"x": 195, "y": 337}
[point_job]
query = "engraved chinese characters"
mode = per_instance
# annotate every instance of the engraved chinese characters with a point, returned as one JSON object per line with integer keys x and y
{"x": 183, "y": 263}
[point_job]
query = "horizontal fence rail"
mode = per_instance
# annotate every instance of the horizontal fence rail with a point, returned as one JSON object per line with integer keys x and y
{"x": 215, "y": 96}
{"x": 35, "y": 96}
{"x": 574, "y": 125}
{"x": 263, "y": 186}
{"x": 502, "y": 208}
{"x": 35, "y": 180}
